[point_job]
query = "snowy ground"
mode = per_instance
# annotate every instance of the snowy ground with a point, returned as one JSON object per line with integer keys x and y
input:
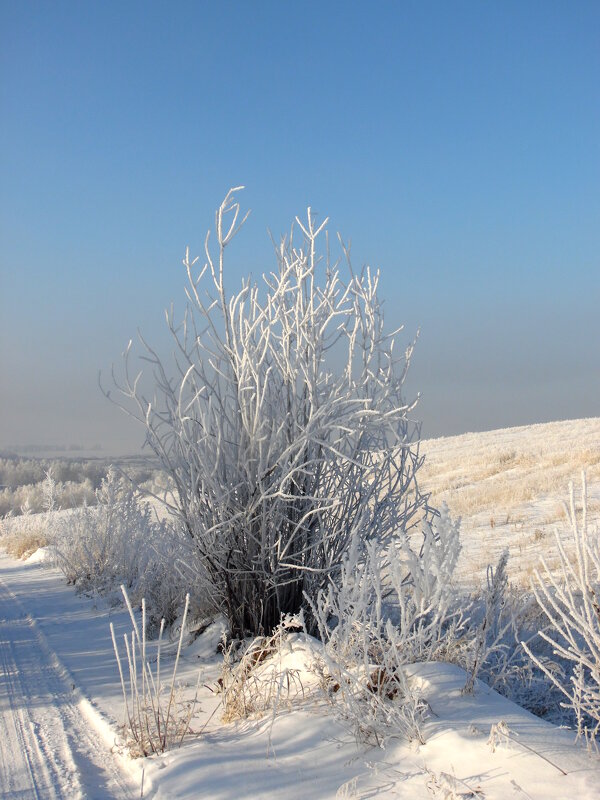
{"x": 61, "y": 704}
{"x": 51, "y": 746}
{"x": 60, "y": 715}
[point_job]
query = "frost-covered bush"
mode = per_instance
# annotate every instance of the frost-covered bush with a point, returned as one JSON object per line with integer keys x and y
{"x": 20, "y": 500}
{"x": 167, "y": 572}
{"x": 571, "y": 604}
{"x": 280, "y": 459}
{"x": 500, "y": 618}
{"x": 399, "y": 606}
{"x": 391, "y": 608}
{"x": 511, "y": 672}
{"x": 120, "y": 541}
{"x": 101, "y": 546}
{"x": 16, "y": 471}
{"x": 22, "y": 481}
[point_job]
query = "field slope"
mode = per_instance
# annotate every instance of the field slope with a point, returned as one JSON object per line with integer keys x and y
{"x": 509, "y": 485}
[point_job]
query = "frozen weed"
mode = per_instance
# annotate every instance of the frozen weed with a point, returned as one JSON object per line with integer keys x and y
{"x": 156, "y": 718}
{"x": 257, "y": 681}
{"x": 444, "y": 786}
{"x": 571, "y": 604}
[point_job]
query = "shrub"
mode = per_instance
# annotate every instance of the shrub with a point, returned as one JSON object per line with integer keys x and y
{"x": 279, "y": 460}
{"x": 571, "y": 603}
{"x": 99, "y": 547}
{"x": 167, "y": 571}
{"x": 120, "y": 540}
{"x": 31, "y": 496}
{"x": 391, "y": 608}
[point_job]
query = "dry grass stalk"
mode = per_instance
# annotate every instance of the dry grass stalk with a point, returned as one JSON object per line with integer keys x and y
{"x": 156, "y": 718}
{"x": 251, "y": 686}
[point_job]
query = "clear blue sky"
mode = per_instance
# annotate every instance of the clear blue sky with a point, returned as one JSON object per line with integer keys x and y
{"x": 457, "y": 144}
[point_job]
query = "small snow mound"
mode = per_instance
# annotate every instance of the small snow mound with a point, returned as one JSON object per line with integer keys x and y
{"x": 205, "y": 645}
{"x": 297, "y": 654}
{"x": 39, "y": 556}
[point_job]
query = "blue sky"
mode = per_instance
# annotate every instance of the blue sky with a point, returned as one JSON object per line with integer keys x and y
{"x": 456, "y": 144}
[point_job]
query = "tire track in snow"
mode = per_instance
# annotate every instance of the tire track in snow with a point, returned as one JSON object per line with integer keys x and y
{"x": 47, "y": 750}
{"x": 16, "y": 746}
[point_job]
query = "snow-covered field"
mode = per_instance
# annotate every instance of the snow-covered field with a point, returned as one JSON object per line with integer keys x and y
{"x": 61, "y": 703}
{"x": 509, "y": 486}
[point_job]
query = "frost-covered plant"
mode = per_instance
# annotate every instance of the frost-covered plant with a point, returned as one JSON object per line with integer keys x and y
{"x": 571, "y": 602}
{"x": 156, "y": 718}
{"x": 503, "y": 618}
{"x": 120, "y": 540}
{"x": 422, "y": 599}
{"x": 279, "y": 459}
{"x": 67, "y": 495}
{"x": 166, "y": 572}
{"x": 444, "y": 786}
{"x": 23, "y": 535}
{"x": 49, "y": 491}
{"x": 99, "y": 547}
{"x": 391, "y": 608}
{"x": 248, "y": 685}
{"x": 501, "y": 733}
{"x": 495, "y": 650}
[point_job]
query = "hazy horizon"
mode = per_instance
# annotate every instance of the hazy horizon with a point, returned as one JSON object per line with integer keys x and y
{"x": 456, "y": 146}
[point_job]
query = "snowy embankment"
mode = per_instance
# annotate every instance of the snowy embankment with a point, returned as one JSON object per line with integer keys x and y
{"x": 302, "y": 753}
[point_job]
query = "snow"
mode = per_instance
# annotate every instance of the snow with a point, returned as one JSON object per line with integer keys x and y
{"x": 303, "y": 753}
{"x": 49, "y": 750}
{"x": 39, "y": 556}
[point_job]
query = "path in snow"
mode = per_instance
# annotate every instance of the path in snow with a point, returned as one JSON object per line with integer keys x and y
{"x": 47, "y": 749}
